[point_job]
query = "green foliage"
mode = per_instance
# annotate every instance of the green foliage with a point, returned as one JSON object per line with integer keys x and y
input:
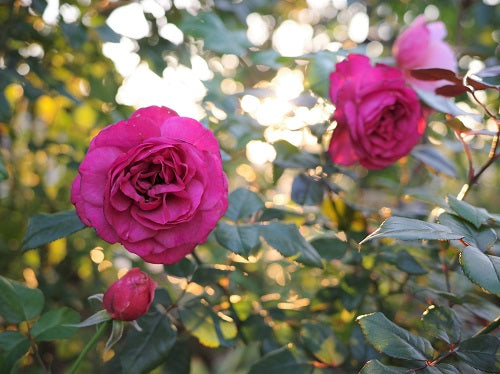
{"x": 45, "y": 228}
{"x": 481, "y": 269}
{"x": 144, "y": 350}
{"x": 19, "y": 303}
{"x": 394, "y": 341}
{"x": 53, "y": 325}
{"x": 442, "y": 323}
{"x": 481, "y": 352}
{"x": 13, "y": 345}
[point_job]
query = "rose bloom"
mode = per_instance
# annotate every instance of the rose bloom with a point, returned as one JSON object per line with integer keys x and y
{"x": 153, "y": 183}
{"x": 422, "y": 46}
{"x": 130, "y": 296}
{"x": 379, "y": 119}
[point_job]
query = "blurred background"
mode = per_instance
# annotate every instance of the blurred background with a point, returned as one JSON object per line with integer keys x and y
{"x": 254, "y": 71}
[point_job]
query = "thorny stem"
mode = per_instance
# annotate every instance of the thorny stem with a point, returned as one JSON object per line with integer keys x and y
{"x": 89, "y": 345}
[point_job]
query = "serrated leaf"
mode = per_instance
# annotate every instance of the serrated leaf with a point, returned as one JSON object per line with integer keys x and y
{"x": 307, "y": 190}
{"x": 216, "y": 36}
{"x": 19, "y": 303}
{"x": 13, "y": 346}
{"x": 406, "y": 262}
{"x": 53, "y": 325}
{"x": 411, "y": 229}
{"x": 287, "y": 359}
{"x": 435, "y": 74}
{"x": 45, "y": 228}
{"x": 210, "y": 328}
{"x": 476, "y": 216}
{"x": 376, "y": 367}
{"x": 321, "y": 341}
{"x": 329, "y": 247}
{"x": 481, "y": 269}
{"x": 443, "y": 104}
{"x": 243, "y": 203}
{"x": 447, "y": 369}
{"x": 287, "y": 240}
{"x": 182, "y": 269}
{"x": 442, "y": 323}
{"x": 240, "y": 239}
{"x": 481, "y": 352}
{"x": 210, "y": 274}
{"x": 430, "y": 156}
{"x": 483, "y": 238}
{"x": 394, "y": 341}
{"x": 144, "y": 350}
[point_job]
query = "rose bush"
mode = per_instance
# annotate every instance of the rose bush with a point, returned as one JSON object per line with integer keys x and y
{"x": 422, "y": 46}
{"x": 379, "y": 118}
{"x": 153, "y": 183}
{"x": 130, "y": 296}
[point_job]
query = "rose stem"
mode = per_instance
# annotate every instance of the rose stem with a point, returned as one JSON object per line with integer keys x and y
{"x": 87, "y": 348}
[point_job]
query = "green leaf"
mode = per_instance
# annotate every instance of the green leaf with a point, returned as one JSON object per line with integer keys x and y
{"x": 19, "y": 303}
{"x": 4, "y": 174}
{"x": 216, "y": 36}
{"x": 376, "y": 367}
{"x": 320, "y": 340}
{"x": 243, "y": 203}
{"x": 13, "y": 346}
{"x": 329, "y": 247}
{"x": 411, "y": 229}
{"x": 320, "y": 66}
{"x": 481, "y": 352}
{"x": 210, "y": 274}
{"x": 182, "y": 269}
{"x": 74, "y": 33}
{"x": 267, "y": 57}
{"x": 430, "y": 156}
{"x": 210, "y": 328}
{"x": 240, "y": 239}
{"x": 287, "y": 359}
{"x": 361, "y": 351}
{"x": 447, "y": 369}
{"x": 443, "y": 104}
{"x": 144, "y": 350}
{"x": 476, "y": 216}
{"x": 483, "y": 238}
{"x": 45, "y": 228}
{"x": 393, "y": 340}
{"x": 307, "y": 190}
{"x": 53, "y": 325}
{"x": 406, "y": 262}
{"x": 178, "y": 360}
{"x": 442, "y": 323}
{"x": 481, "y": 269}
{"x": 287, "y": 240}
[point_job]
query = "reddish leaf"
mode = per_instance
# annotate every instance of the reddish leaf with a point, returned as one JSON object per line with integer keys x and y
{"x": 435, "y": 74}
{"x": 451, "y": 90}
{"x": 479, "y": 85}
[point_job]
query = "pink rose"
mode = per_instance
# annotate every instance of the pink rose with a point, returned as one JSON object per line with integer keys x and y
{"x": 422, "y": 46}
{"x": 153, "y": 183}
{"x": 379, "y": 119}
{"x": 130, "y": 296}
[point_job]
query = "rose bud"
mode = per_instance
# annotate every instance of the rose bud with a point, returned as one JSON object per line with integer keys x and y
{"x": 422, "y": 46}
{"x": 130, "y": 296}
